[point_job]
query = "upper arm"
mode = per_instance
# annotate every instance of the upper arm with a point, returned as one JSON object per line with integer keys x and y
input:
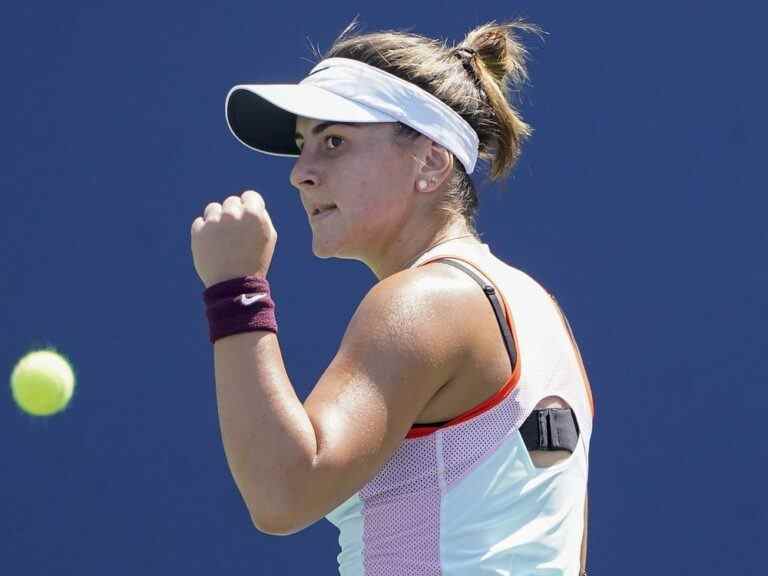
{"x": 401, "y": 346}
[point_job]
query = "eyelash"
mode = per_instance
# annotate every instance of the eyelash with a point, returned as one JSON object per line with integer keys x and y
{"x": 326, "y": 140}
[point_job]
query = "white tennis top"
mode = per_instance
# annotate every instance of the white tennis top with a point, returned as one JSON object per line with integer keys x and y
{"x": 465, "y": 498}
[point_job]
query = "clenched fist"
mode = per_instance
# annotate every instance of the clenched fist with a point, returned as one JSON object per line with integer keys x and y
{"x": 233, "y": 239}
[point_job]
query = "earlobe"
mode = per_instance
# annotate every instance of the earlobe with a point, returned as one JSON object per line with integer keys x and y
{"x": 437, "y": 166}
{"x": 422, "y": 184}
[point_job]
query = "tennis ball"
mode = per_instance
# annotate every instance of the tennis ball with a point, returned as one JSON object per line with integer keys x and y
{"x": 42, "y": 382}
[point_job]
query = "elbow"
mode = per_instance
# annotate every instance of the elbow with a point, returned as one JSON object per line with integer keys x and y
{"x": 277, "y": 525}
{"x": 276, "y": 508}
{"x": 275, "y": 531}
{"x": 274, "y": 516}
{"x": 282, "y": 520}
{"x": 269, "y": 510}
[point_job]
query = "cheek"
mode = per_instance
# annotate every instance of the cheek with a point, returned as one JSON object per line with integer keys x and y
{"x": 373, "y": 188}
{"x": 382, "y": 181}
{"x": 378, "y": 199}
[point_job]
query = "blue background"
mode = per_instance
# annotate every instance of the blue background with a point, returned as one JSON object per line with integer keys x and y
{"x": 640, "y": 202}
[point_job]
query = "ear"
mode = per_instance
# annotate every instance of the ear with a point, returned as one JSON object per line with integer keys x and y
{"x": 436, "y": 168}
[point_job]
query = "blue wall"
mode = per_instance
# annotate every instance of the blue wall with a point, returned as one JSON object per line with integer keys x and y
{"x": 640, "y": 202}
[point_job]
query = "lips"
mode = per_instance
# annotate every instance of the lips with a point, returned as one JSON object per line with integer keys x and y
{"x": 319, "y": 210}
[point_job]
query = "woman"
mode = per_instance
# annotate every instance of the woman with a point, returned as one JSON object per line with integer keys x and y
{"x": 450, "y": 433}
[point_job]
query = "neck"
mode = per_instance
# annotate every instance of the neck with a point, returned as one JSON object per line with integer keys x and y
{"x": 404, "y": 255}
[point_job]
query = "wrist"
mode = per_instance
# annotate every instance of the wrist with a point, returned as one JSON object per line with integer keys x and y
{"x": 238, "y": 305}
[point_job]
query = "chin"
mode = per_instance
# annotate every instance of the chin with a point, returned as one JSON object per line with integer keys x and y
{"x": 323, "y": 255}
{"x": 331, "y": 250}
{"x": 323, "y": 250}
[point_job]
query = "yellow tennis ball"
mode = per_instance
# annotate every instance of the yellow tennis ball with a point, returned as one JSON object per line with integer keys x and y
{"x": 42, "y": 382}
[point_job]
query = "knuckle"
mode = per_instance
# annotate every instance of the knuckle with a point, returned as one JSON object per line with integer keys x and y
{"x": 231, "y": 202}
{"x": 197, "y": 224}
{"x": 253, "y": 199}
{"x": 232, "y": 208}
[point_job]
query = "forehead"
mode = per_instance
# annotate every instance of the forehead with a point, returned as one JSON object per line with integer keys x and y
{"x": 310, "y": 126}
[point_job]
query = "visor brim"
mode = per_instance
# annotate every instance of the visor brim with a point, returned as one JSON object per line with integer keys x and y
{"x": 263, "y": 116}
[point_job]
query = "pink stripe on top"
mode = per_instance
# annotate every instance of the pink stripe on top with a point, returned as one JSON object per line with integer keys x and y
{"x": 401, "y": 514}
{"x": 401, "y": 505}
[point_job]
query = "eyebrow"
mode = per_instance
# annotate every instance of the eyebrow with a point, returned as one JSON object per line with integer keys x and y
{"x": 323, "y": 125}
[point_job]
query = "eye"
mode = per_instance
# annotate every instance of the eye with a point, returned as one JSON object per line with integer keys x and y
{"x": 333, "y": 142}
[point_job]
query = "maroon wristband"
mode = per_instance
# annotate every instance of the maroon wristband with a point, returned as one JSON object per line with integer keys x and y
{"x": 239, "y": 305}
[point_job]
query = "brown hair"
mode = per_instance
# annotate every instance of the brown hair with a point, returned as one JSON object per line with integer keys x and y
{"x": 472, "y": 77}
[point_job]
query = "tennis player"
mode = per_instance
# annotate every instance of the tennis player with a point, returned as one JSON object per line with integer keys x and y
{"x": 450, "y": 433}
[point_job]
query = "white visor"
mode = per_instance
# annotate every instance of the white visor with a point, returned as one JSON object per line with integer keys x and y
{"x": 263, "y": 116}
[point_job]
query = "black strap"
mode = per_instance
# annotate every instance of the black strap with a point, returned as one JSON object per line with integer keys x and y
{"x": 490, "y": 292}
{"x": 509, "y": 341}
{"x": 550, "y": 429}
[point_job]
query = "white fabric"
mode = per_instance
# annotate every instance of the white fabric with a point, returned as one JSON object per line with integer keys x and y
{"x": 503, "y": 515}
{"x": 348, "y": 518}
{"x": 509, "y": 517}
{"x": 346, "y": 90}
{"x": 506, "y": 517}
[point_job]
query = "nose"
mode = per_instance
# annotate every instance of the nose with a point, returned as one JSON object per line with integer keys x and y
{"x": 304, "y": 173}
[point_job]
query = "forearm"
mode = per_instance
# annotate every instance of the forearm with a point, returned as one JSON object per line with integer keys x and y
{"x": 268, "y": 438}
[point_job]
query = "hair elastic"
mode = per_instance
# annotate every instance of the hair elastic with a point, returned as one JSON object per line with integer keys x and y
{"x": 469, "y": 52}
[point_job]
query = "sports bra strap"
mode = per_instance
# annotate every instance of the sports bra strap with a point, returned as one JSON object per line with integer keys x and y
{"x": 490, "y": 292}
{"x": 544, "y": 429}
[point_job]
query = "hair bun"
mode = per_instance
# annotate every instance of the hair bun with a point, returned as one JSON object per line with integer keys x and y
{"x": 501, "y": 51}
{"x": 492, "y": 57}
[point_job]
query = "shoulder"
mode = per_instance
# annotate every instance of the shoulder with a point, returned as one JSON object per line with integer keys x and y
{"x": 405, "y": 341}
{"x": 432, "y": 285}
{"x": 420, "y": 307}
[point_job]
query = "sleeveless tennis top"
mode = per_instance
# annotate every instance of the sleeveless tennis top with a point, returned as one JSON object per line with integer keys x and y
{"x": 464, "y": 497}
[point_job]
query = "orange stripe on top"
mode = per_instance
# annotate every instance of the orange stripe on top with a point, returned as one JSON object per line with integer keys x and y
{"x": 503, "y": 392}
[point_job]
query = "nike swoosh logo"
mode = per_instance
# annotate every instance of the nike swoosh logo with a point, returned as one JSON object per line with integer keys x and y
{"x": 248, "y": 299}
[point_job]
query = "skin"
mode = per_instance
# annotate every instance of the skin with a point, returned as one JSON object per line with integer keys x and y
{"x": 405, "y": 357}
{"x": 383, "y": 219}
